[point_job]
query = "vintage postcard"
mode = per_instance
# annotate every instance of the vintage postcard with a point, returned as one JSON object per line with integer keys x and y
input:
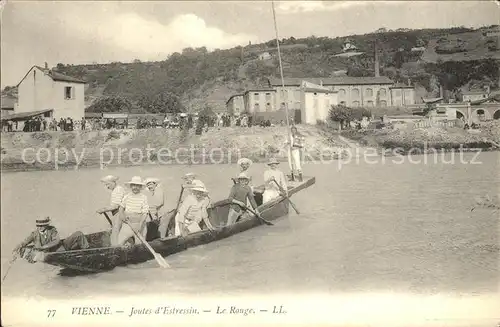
{"x": 323, "y": 163}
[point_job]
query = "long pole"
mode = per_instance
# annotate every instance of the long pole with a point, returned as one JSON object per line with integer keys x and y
{"x": 281, "y": 74}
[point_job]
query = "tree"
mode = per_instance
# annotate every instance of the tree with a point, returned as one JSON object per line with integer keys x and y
{"x": 164, "y": 102}
{"x": 341, "y": 114}
{"x": 111, "y": 104}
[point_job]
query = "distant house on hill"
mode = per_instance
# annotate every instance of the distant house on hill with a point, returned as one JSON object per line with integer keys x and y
{"x": 265, "y": 56}
{"x": 474, "y": 95}
{"x": 418, "y": 49}
{"x": 42, "y": 89}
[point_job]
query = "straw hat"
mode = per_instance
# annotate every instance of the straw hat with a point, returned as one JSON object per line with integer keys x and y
{"x": 243, "y": 176}
{"x": 136, "y": 180}
{"x": 244, "y": 161}
{"x": 109, "y": 179}
{"x": 198, "y": 186}
{"x": 273, "y": 161}
{"x": 188, "y": 175}
{"x": 151, "y": 180}
{"x": 43, "y": 222}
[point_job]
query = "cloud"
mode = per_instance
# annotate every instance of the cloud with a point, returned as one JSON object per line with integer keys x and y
{"x": 149, "y": 39}
{"x": 293, "y": 7}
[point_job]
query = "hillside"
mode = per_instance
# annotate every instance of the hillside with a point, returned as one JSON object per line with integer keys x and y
{"x": 196, "y": 78}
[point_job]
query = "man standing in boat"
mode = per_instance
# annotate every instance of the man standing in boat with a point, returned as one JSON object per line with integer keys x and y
{"x": 156, "y": 198}
{"x": 133, "y": 210}
{"x": 193, "y": 210}
{"x": 239, "y": 195}
{"x": 117, "y": 194}
{"x": 46, "y": 239}
{"x": 296, "y": 144}
{"x": 273, "y": 176}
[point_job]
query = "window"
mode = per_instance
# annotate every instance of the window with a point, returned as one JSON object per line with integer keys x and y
{"x": 68, "y": 92}
{"x": 383, "y": 103}
{"x": 342, "y": 93}
{"x": 342, "y": 103}
{"x": 369, "y": 92}
{"x": 355, "y": 103}
{"x": 282, "y": 106}
{"x": 355, "y": 93}
{"x": 397, "y": 93}
{"x": 268, "y": 96}
{"x": 268, "y": 106}
{"x": 256, "y": 94}
{"x": 382, "y": 92}
{"x": 47, "y": 114}
{"x": 256, "y": 107}
{"x": 369, "y": 103}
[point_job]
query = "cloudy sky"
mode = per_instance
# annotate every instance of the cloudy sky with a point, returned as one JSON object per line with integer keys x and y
{"x": 34, "y": 32}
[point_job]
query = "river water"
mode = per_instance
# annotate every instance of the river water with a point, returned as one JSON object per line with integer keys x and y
{"x": 365, "y": 227}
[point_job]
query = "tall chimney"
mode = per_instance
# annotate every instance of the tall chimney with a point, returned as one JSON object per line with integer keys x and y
{"x": 377, "y": 66}
{"x": 441, "y": 92}
{"x": 46, "y": 65}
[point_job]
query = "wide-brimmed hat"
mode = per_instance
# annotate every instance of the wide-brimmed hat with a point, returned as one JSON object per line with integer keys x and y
{"x": 109, "y": 179}
{"x": 151, "y": 180}
{"x": 136, "y": 180}
{"x": 243, "y": 176}
{"x": 188, "y": 175}
{"x": 43, "y": 222}
{"x": 199, "y": 188}
{"x": 273, "y": 161}
{"x": 244, "y": 160}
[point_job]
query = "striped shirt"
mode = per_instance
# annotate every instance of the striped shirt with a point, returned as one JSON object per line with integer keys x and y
{"x": 135, "y": 203}
{"x": 117, "y": 195}
{"x": 193, "y": 210}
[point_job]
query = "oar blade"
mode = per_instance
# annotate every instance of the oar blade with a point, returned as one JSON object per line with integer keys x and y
{"x": 161, "y": 261}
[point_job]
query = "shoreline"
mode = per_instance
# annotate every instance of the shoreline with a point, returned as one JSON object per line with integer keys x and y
{"x": 355, "y": 152}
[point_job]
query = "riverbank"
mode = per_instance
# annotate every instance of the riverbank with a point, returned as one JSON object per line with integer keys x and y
{"x": 424, "y": 140}
{"x": 110, "y": 148}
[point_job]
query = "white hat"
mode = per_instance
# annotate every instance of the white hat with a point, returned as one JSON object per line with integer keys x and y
{"x": 198, "y": 186}
{"x": 243, "y": 175}
{"x": 189, "y": 175}
{"x": 136, "y": 180}
{"x": 109, "y": 179}
{"x": 151, "y": 180}
{"x": 273, "y": 161}
{"x": 244, "y": 160}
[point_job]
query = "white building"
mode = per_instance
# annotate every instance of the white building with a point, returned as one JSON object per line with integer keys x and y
{"x": 265, "y": 56}
{"x": 316, "y": 101}
{"x": 42, "y": 88}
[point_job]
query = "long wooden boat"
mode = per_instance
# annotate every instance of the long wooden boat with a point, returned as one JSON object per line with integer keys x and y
{"x": 101, "y": 256}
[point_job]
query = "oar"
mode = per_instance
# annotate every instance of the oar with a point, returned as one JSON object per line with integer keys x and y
{"x": 267, "y": 222}
{"x": 107, "y": 217}
{"x": 161, "y": 261}
{"x": 10, "y": 264}
{"x": 283, "y": 193}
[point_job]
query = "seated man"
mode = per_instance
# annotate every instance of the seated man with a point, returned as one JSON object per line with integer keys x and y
{"x": 239, "y": 195}
{"x": 46, "y": 239}
{"x": 192, "y": 211}
{"x": 133, "y": 212}
{"x": 273, "y": 176}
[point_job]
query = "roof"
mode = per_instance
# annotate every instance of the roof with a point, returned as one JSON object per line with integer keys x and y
{"x": 8, "y": 102}
{"x": 55, "y": 76}
{"x": 339, "y": 80}
{"x": 311, "y": 89}
{"x": 25, "y": 115}
{"x": 486, "y": 100}
{"x": 432, "y": 100}
{"x": 260, "y": 90}
{"x": 234, "y": 95}
{"x": 401, "y": 86}
{"x": 472, "y": 92}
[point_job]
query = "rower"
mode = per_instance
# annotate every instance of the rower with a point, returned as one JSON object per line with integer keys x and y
{"x": 193, "y": 210}
{"x": 156, "y": 198}
{"x": 240, "y": 193}
{"x": 117, "y": 193}
{"x": 134, "y": 210}
{"x": 272, "y": 176}
{"x": 189, "y": 181}
{"x": 46, "y": 239}
{"x": 244, "y": 165}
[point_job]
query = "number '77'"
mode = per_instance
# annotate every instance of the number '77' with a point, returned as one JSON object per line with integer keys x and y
{"x": 51, "y": 313}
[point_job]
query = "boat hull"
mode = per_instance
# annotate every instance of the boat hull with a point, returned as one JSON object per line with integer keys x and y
{"x": 101, "y": 256}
